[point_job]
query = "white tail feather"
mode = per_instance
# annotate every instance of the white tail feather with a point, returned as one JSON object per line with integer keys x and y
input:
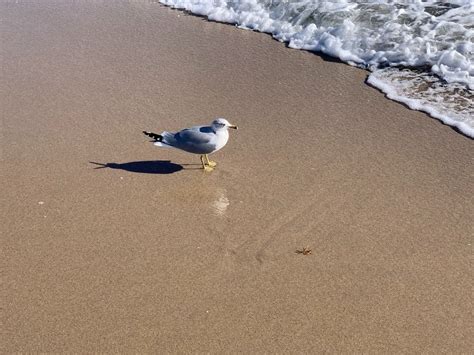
{"x": 159, "y": 144}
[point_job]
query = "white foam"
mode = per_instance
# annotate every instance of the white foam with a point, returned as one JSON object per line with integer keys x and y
{"x": 370, "y": 33}
{"x": 456, "y": 110}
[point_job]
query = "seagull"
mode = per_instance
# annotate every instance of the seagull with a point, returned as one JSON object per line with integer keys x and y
{"x": 201, "y": 140}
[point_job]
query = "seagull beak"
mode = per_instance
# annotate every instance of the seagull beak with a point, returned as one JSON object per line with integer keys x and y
{"x": 233, "y": 127}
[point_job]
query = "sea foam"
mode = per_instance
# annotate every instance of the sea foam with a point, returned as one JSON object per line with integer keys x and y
{"x": 419, "y": 52}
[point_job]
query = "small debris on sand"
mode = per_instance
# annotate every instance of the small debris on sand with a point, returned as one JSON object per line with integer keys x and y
{"x": 304, "y": 251}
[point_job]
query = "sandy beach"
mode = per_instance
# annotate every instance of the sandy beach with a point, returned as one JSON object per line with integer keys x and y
{"x": 110, "y": 244}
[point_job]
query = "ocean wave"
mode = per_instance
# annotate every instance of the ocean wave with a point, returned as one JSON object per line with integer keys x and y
{"x": 435, "y": 38}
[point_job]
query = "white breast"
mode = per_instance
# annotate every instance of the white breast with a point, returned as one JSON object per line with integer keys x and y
{"x": 221, "y": 138}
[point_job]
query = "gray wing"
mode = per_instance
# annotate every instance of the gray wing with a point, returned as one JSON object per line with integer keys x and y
{"x": 195, "y": 135}
{"x": 195, "y": 140}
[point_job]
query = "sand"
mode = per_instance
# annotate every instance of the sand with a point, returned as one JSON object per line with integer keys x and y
{"x": 110, "y": 244}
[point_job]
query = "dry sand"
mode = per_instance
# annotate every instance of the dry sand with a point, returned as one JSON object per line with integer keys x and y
{"x": 154, "y": 256}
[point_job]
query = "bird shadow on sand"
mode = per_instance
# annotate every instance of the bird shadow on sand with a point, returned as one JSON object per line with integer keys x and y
{"x": 148, "y": 166}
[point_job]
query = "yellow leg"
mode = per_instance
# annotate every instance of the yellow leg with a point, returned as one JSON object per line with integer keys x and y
{"x": 211, "y": 163}
{"x": 206, "y": 166}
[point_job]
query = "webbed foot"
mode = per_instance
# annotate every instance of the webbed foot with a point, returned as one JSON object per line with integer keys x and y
{"x": 207, "y": 165}
{"x": 211, "y": 163}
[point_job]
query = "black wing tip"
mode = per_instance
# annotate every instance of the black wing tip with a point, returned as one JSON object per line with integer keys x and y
{"x": 156, "y": 137}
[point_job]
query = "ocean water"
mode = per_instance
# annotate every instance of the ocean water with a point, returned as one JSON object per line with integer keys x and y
{"x": 419, "y": 52}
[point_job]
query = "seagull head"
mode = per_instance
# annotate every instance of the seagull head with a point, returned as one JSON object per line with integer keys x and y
{"x": 221, "y": 123}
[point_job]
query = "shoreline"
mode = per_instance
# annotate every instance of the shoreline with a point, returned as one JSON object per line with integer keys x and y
{"x": 112, "y": 244}
{"x": 459, "y": 127}
{"x": 448, "y": 117}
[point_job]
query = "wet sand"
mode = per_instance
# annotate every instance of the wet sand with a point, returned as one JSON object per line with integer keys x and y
{"x": 110, "y": 244}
